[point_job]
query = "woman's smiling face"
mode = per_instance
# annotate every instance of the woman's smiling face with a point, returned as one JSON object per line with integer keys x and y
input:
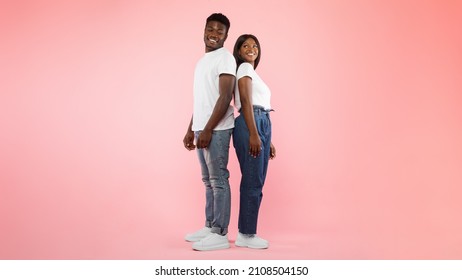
{"x": 249, "y": 51}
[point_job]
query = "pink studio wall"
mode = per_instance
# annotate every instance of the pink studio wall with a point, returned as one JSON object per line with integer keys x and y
{"x": 95, "y": 97}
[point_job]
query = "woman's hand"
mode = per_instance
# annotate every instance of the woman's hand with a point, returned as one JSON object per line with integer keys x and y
{"x": 254, "y": 145}
{"x": 272, "y": 151}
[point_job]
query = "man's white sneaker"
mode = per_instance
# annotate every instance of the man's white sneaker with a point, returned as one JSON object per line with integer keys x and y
{"x": 198, "y": 235}
{"x": 213, "y": 241}
{"x": 253, "y": 242}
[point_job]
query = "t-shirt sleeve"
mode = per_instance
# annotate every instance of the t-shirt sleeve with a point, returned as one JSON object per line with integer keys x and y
{"x": 227, "y": 65}
{"x": 245, "y": 70}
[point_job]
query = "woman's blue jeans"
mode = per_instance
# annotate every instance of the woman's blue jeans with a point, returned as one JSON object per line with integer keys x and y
{"x": 215, "y": 175}
{"x": 253, "y": 170}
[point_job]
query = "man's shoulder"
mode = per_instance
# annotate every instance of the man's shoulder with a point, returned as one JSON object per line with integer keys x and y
{"x": 226, "y": 52}
{"x": 228, "y": 59}
{"x": 221, "y": 60}
{"x": 222, "y": 52}
{"x": 223, "y": 56}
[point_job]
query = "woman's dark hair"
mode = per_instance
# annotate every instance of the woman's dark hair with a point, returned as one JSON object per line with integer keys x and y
{"x": 238, "y": 45}
{"x": 220, "y": 18}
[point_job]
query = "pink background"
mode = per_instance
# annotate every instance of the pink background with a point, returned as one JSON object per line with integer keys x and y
{"x": 95, "y": 98}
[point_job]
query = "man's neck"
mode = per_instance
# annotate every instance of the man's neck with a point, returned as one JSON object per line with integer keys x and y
{"x": 208, "y": 51}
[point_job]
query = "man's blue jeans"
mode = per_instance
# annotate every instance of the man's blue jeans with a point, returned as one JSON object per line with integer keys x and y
{"x": 253, "y": 169}
{"x": 215, "y": 175}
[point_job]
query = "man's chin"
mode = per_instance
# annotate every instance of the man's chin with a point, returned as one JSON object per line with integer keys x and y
{"x": 212, "y": 48}
{"x": 215, "y": 45}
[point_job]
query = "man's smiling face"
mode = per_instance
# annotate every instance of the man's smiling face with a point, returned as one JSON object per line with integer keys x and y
{"x": 215, "y": 34}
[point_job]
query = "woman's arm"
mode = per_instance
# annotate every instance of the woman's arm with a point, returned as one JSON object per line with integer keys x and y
{"x": 245, "y": 93}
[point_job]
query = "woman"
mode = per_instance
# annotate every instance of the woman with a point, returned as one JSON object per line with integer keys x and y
{"x": 251, "y": 138}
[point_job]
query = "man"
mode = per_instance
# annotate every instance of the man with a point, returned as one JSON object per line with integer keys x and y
{"x": 211, "y": 126}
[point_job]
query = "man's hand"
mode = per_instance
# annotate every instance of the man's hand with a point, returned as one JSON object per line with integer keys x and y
{"x": 204, "y": 139}
{"x": 188, "y": 141}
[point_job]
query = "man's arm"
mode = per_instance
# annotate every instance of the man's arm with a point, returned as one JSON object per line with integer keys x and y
{"x": 226, "y": 87}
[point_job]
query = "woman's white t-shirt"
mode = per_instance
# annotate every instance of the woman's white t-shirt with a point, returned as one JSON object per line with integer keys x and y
{"x": 261, "y": 94}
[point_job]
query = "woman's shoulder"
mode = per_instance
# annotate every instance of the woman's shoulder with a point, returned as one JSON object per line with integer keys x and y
{"x": 245, "y": 66}
{"x": 245, "y": 69}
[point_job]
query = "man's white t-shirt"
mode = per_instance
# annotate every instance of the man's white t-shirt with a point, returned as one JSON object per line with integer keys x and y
{"x": 206, "y": 88}
{"x": 261, "y": 94}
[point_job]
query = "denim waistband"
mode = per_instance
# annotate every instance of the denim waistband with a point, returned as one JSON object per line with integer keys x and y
{"x": 257, "y": 109}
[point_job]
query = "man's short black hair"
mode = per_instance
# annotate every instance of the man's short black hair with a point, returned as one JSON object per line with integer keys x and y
{"x": 220, "y": 18}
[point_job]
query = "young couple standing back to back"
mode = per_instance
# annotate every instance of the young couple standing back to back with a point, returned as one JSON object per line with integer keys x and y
{"x": 211, "y": 127}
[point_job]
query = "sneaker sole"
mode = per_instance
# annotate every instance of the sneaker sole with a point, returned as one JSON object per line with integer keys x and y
{"x": 239, "y": 244}
{"x": 217, "y": 247}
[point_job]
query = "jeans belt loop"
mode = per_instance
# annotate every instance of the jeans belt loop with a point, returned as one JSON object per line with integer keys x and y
{"x": 258, "y": 109}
